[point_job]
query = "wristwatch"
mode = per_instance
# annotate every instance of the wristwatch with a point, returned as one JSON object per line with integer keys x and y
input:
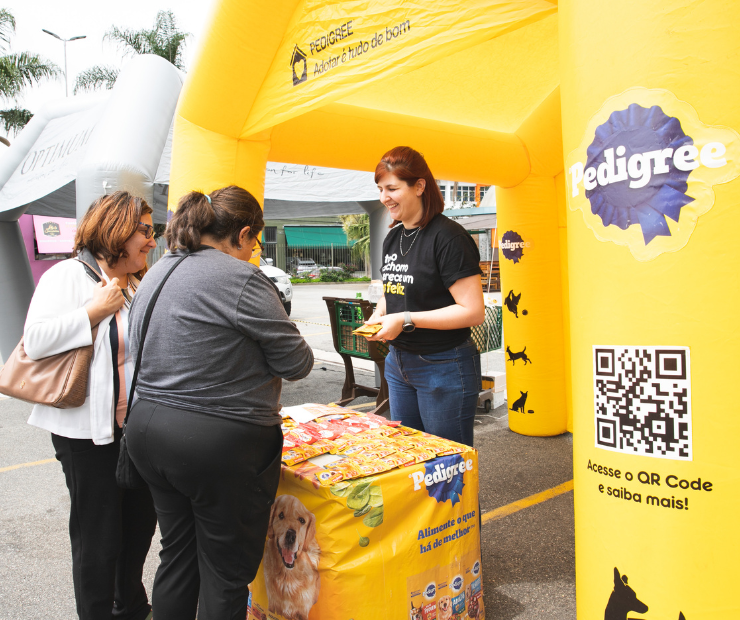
{"x": 408, "y": 324}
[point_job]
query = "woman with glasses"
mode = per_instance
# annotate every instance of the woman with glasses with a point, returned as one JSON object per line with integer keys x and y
{"x": 205, "y": 433}
{"x": 110, "y": 529}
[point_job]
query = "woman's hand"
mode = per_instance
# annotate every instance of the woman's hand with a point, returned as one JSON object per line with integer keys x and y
{"x": 379, "y": 311}
{"x": 392, "y": 324}
{"x": 106, "y": 300}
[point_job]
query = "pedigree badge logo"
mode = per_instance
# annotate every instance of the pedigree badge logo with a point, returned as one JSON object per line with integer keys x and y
{"x": 443, "y": 478}
{"x": 512, "y": 246}
{"x": 646, "y": 169}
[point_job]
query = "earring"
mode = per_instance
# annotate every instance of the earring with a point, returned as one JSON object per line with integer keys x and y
{"x": 238, "y": 247}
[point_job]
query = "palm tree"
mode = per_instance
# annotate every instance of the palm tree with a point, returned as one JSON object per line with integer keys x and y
{"x": 357, "y": 229}
{"x": 17, "y": 72}
{"x": 164, "y": 40}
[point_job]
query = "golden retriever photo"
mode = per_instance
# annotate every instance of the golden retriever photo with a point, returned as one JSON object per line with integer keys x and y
{"x": 291, "y": 561}
{"x": 444, "y": 605}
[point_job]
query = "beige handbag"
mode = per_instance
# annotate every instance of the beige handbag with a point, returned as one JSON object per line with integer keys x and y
{"x": 57, "y": 381}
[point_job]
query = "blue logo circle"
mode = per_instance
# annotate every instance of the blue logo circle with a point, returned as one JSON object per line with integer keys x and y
{"x": 457, "y": 583}
{"x": 512, "y": 246}
{"x": 430, "y": 591}
{"x": 447, "y": 478}
{"x": 637, "y": 181}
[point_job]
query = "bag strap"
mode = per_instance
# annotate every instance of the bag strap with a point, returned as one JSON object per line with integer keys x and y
{"x": 144, "y": 329}
{"x": 90, "y": 270}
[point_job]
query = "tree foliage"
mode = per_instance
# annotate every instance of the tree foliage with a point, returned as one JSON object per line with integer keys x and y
{"x": 15, "y": 119}
{"x": 94, "y": 78}
{"x": 357, "y": 229}
{"x": 18, "y": 71}
{"x": 165, "y": 40}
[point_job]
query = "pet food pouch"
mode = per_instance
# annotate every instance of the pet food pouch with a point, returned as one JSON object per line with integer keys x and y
{"x": 397, "y": 459}
{"x": 473, "y": 591}
{"x": 421, "y": 454}
{"x": 457, "y": 593}
{"x": 370, "y": 467}
{"x": 429, "y": 596}
{"x": 293, "y": 456}
{"x": 422, "y": 590}
{"x": 322, "y": 446}
{"x": 328, "y": 477}
{"x": 405, "y": 430}
{"x": 446, "y": 450}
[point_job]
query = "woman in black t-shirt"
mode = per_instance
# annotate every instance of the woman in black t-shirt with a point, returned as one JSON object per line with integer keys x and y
{"x": 431, "y": 297}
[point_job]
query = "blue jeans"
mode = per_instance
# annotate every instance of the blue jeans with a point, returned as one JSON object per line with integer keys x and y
{"x": 437, "y": 392}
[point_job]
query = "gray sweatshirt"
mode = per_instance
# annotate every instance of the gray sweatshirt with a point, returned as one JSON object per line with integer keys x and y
{"x": 219, "y": 341}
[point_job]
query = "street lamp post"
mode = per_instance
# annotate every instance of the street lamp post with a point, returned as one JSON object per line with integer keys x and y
{"x": 56, "y": 36}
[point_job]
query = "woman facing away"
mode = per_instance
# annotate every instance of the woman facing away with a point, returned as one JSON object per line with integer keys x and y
{"x": 110, "y": 529}
{"x": 205, "y": 433}
{"x": 432, "y": 297}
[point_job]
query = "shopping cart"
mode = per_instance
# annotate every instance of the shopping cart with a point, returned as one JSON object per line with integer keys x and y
{"x": 346, "y": 315}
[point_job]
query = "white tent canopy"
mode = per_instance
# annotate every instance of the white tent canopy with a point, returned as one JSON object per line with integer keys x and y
{"x": 43, "y": 181}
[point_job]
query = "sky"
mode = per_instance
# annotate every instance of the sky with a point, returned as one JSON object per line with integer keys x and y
{"x": 93, "y": 18}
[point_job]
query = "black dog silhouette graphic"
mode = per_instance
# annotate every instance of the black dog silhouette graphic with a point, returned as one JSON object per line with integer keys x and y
{"x": 512, "y": 303}
{"x": 513, "y": 357}
{"x": 519, "y": 403}
{"x": 624, "y": 600}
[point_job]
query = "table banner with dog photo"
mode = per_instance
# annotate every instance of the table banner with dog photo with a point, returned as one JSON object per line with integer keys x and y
{"x": 402, "y": 545}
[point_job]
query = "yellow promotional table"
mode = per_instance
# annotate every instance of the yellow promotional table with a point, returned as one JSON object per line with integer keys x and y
{"x": 401, "y": 545}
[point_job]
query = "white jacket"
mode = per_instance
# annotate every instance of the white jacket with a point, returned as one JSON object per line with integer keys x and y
{"x": 57, "y": 321}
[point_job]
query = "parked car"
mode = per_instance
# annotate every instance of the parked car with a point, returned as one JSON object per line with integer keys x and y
{"x": 306, "y": 266}
{"x": 281, "y": 280}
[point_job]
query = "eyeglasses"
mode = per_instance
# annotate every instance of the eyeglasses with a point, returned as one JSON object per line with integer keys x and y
{"x": 259, "y": 250}
{"x": 148, "y": 231}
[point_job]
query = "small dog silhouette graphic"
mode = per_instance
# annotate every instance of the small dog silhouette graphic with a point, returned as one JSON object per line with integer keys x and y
{"x": 519, "y": 403}
{"x": 513, "y": 357}
{"x": 512, "y": 302}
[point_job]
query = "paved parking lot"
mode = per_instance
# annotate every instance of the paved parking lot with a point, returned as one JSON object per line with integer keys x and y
{"x": 527, "y": 546}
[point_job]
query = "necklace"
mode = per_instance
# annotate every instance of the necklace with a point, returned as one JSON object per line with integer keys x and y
{"x": 129, "y": 291}
{"x": 416, "y": 230}
{"x": 400, "y": 241}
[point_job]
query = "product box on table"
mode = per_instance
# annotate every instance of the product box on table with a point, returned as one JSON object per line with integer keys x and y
{"x": 400, "y": 545}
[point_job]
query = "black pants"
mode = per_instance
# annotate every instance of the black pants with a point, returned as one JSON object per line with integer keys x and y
{"x": 110, "y": 530}
{"x": 213, "y": 481}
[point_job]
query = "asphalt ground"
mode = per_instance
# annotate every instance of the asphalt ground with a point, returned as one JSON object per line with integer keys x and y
{"x": 527, "y": 546}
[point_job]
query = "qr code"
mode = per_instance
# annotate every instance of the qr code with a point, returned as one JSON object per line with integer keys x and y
{"x": 642, "y": 401}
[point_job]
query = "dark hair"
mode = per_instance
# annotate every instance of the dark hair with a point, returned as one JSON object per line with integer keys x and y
{"x": 229, "y": 210}
{"x": 108, "y": 225}
{"x": 410, "y": 166}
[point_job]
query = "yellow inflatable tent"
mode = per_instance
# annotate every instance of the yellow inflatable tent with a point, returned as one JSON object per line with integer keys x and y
{"x": 612, "y": 121}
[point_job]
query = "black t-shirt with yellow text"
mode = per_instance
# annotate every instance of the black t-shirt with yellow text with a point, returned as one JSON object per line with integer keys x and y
{"x": 442, "y": 253}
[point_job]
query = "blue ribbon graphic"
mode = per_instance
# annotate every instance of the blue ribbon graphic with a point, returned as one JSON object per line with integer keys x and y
{"x": 640, "y": 130}
{"x": 446, "y": 489}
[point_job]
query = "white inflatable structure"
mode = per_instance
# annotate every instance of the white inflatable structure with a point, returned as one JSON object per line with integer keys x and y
{"x": 101, "y": 143}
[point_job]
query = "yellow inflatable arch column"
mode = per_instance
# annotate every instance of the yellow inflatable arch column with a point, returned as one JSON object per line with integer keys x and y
{"x": 210, "y": 148}
{"x": 531, "y": 281}
{"x": 651, "y": 105}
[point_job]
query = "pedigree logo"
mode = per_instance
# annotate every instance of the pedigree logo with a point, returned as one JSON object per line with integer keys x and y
{"x": 443, "y": 477}
{"x": 645, "y": 170}
{"x": 430, "y": 591}
{"x": 512, "y": 246}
